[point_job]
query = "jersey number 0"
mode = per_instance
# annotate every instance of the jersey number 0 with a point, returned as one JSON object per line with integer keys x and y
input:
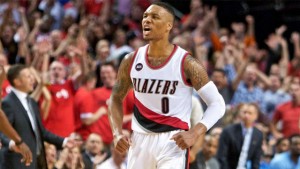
{"x": 165, "y": 105}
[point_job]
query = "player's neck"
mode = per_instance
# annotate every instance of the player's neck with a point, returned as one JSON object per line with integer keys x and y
{"x": 160, "y": 48}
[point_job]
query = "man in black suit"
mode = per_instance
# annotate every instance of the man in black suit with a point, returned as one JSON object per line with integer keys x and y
{"x": 9, "y": 131}
{"x": 240, "y": 144}
{"x": 23, "y": 114}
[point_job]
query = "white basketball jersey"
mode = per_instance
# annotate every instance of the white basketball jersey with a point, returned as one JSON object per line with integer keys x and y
{"x": 162, "y": 95}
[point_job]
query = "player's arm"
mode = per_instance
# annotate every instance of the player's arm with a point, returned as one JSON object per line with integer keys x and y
{"x": 119, "y": 91}
{"x": 197, "y": 75}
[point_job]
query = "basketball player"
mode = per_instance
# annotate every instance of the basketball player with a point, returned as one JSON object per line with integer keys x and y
{"x": 163, "y": 76}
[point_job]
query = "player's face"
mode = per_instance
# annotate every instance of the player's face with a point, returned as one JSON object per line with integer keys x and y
{"x": 156, "y": 23}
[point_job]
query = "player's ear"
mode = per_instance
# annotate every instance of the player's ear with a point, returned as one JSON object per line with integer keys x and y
{"x": 170, "y": 26}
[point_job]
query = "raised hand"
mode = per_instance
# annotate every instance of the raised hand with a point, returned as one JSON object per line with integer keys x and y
{"x": 295, "y": 37}
{"x": 44, "y": 47}
{"x": 279, "y": 31}
{"x": 22, "y": 34}
{"x": 249, "y": 19}
{"x": 63, "y": 156}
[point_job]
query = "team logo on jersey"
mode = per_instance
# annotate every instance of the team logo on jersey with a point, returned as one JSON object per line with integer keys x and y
{"x": 138, "y": 67}
{"x": 154, "y": 86}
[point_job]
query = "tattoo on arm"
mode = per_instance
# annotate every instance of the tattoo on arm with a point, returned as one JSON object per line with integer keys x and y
{"x": 120, "y": 90}
{"x": 195, "y": 72}
{"x": 123, "y": 83}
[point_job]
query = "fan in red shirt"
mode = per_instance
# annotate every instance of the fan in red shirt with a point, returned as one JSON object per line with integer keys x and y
{"x": 288, "y": 113}
{"x": 101, "y": 96}
{"x": 85, "y": 117}
{"x": 61, "y": 115}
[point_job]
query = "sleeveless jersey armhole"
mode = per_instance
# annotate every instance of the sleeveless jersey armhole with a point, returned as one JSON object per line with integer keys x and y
{"x": 186, "y": 82}
{"x": 133, "y": 58}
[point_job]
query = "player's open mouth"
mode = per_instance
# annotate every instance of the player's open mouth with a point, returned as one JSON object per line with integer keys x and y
{"x": 147, "y": 29}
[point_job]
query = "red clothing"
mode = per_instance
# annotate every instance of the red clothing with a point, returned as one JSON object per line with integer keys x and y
{"x": 83, "y": 106}
{"x": 290, "y": 116}
{"x": 293, "y": 71}
{"x": 61, "y": 115}
{"x": 6, "y": 88}
{"x": 144, "y": 4}
{"x": 94, "y": 7}
{"x": 101, "y": 95}
{"x": 128, "y": 104}
{"x": 67, "y": 60}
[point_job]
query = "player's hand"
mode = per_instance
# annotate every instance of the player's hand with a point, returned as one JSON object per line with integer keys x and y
{"x": 184, "y": 139}
{"x": 122, "y": 143}
{"x": 24, "y": 150}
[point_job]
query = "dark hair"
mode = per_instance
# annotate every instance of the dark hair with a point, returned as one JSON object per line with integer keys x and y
{"x": 167, "y": 7}
{"x": 109, "y": 64}
{"x": 255, "y": 105}
{"x": 280, "y": 140}
{"x": 293, "y": 136}
{"x": 14, "y": 72}
{"x": 88, "y": 77}
{"x": 220, "y": 70}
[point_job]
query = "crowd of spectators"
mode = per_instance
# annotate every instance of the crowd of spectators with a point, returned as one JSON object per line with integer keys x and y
{"x": 74, "y": 48}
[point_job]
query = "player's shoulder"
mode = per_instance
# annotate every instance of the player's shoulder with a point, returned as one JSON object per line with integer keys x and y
{"x": 130, "y": 56}
{"x": 191, "y": 64}
{"x": 190, "y": 60}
